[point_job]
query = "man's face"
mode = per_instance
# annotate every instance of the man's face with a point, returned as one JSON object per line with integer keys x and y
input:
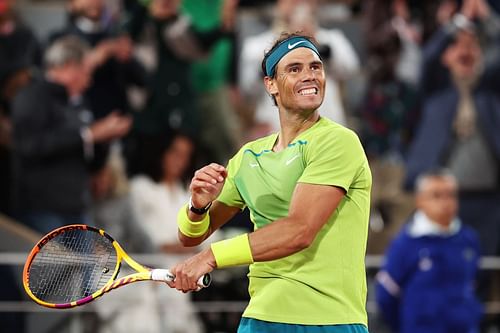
{"x": 463, "y": 56}
{"x": 164, "y": 9}
{"x": 91, "y": 9}
{"x": 78, "y": 77}
{"x": 177, "y": 158}
{"x": 438, "y": 199}
{"x": 299, "y": 82}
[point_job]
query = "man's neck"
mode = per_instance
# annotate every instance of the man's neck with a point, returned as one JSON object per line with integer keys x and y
{"x": 292, "y": 124}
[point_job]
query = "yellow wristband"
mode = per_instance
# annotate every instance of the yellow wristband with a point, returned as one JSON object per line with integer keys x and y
{"x": 190, "y": 228}
{"x": 232, "y": 252}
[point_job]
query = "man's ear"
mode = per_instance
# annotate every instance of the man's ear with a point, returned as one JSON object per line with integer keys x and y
{"x": 270, "y": 85}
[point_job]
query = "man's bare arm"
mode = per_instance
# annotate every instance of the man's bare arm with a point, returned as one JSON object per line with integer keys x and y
{"x": 310, "y": 209}
{"x": 219, "y": 215}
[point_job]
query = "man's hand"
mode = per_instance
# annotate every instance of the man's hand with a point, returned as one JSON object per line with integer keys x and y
{"x": 445, "y": 11}
{"x": 123, "y": 48}
{"x": 111, "y": 127}
{"x": 99, "y": 54}
{"x": 482, "y": 9}
{"x": 207, "y": 184}
{"x": 475, "y": 9}
{"x": 188, "y": 272}
{"x": 228, "y": 14}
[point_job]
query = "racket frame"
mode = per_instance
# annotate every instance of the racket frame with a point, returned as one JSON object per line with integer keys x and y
{"x": 142, "y": 272}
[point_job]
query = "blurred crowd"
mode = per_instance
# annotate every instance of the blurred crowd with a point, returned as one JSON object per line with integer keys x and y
{"x": 104, "y": 120}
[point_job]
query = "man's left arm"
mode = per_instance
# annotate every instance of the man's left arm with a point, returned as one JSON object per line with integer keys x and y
{"x": 310, "y": 209}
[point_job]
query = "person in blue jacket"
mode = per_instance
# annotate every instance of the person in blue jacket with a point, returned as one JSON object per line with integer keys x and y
{"x": 427, "y": 283}
{"x": 458, "y": 128}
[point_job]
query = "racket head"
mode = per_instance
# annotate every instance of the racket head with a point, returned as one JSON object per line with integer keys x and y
{"x": 71, "y": 266}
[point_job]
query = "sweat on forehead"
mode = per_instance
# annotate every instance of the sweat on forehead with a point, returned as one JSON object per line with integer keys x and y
{"x": 277, "y": 53}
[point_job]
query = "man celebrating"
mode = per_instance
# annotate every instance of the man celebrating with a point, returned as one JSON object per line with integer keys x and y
{"x": 308, "y": 192}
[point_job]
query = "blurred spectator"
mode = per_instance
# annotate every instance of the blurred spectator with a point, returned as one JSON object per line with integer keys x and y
{"x": 461, "y": 118}
{"x": 157, "y": 194}
{"x": 156, "y": 199}
{"x": 389, "y": 110}
{"x": 19, "y": 53}
{"x": 339, "y": 57}
{"x": 111, "y": 207}
{"x": 133, "y": 310}
{"x": 115, "y": 67}
{"x": 214, "y": 79}
{"x": 392, "y": 41}
{"x": 167, "y": 44}
{"x": 53, "y": 140}
{"x": 427, "y": 282}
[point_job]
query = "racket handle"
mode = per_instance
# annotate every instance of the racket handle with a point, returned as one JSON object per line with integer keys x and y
{"x": 166, "y": 276}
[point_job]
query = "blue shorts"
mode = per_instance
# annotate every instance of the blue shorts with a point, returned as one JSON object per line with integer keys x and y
{"x": 250, "y": 325}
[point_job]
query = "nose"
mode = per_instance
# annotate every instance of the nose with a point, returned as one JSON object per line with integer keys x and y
{"x": 309, "y": 75}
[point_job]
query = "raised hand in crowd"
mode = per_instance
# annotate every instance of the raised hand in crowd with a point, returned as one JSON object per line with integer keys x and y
{"x": 475, "y": 9}
{"x": 120, "y": 48}
{"x": 228, "y": 14}
{"x": 113, "y": 126}
{"x": 123, "y": 48}
{"x": 99, "y": 54}
{"x": 445, "y": 11}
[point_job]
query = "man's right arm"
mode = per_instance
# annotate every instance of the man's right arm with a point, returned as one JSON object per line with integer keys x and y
{"x": 205, "y": 187}
{"x": 432, "y": 72}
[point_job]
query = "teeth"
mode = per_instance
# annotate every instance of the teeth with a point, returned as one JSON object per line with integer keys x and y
{"x": 310, "y": 91}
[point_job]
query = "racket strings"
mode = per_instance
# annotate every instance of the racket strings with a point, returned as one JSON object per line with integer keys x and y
{"x": 72, "y": 266}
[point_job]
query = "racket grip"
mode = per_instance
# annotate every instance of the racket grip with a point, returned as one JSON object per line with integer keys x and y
{"x": 166, "y": 276}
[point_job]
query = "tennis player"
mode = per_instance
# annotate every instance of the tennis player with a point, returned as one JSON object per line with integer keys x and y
{"x": 308, "y": 192}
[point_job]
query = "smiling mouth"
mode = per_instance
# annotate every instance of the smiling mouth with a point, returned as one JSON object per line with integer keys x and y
{"x": 308, "y": 91}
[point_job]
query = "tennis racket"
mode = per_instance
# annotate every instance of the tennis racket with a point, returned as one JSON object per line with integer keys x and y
{"x": 75, "y": 264}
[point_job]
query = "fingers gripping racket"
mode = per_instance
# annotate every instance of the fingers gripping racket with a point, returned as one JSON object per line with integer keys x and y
{"x": 75, "y": 264}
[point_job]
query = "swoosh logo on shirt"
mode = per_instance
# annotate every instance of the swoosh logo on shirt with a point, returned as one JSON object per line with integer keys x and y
{"x": 291, "y": 46}
{"x": 253, "y": 165}
{"x": 291, "y": 160}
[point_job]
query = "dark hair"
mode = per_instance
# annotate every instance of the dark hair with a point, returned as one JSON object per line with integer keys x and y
{"x": 283, "y": 37}
{"x": 153, "y": 163}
